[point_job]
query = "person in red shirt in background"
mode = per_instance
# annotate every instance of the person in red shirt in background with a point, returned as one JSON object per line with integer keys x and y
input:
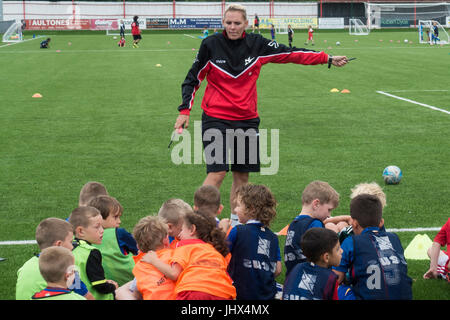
{"x": 121, "y": 42}
{"x": 310, "y": 35}
{"x": 438, "y": 258}
{"x": 136, "y": 32}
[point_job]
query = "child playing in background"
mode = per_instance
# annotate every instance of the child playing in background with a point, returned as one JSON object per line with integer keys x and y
{"x": 88, "y": 230}
{"x": 290, "y": 35}
{"x": 198, "y": 264}
{"x": 435, "y": 33}
{"x": 373, "y": 258}
{"x": 121, "y": 42}
{"x": 118, "y": 245}
{"x": 173, "y": 211}
{"x": 50, "y": 232}
{"x": 255, "y": 253}
{"x": 122, "y": 30}
{"x": 136, "y": 32}
{"x": 151, "y": 235}
{"x": 90, "y": 190}
{"x": 439, "y": 259}
{"x": 310, "y": 35}
{"x": 314, "y": 280}
{"x": 256, "y": 24}
{"x": 56, "y": 265}
{"x": 318, "y": 200}
{"x": 207, "y": 200}
{"x": 272, "y": 31}
{"x": 205, "y": 33}
{"x": 45, "y": 44}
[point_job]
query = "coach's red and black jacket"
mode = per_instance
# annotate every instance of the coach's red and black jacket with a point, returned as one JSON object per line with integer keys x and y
{"x": 231, "y": 68}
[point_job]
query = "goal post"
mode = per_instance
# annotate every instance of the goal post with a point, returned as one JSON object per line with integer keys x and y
{"x": 113, "y": 28}
{"x": 358, "y": 28}
{"x": 116, "y": 32}
{"x": 394, "y": 15}
{"x": 426, "y": 31}
{"x": 281, "y": 28}
{"x": 13, "y": 33}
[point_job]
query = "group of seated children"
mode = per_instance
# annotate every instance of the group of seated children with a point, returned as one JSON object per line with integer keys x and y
{"x": 187, "y": 253}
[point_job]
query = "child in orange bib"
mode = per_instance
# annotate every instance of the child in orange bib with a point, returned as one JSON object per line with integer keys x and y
{"x": 198, "y": 263}
{"x": 151, "y": 234}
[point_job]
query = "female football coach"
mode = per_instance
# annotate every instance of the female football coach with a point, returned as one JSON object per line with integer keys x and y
{"x": 231, "y": 62}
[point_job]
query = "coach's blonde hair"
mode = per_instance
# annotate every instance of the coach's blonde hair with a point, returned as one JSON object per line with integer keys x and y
{"x": 320, "y": 190}
{"x": 369, "y": 188}
{"x": 236, "y": 7}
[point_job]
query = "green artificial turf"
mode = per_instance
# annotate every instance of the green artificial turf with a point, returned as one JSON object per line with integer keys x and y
{"x": 107, "y": 115}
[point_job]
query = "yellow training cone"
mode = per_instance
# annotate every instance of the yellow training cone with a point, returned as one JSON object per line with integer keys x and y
{"x": 158, "y": 65}
{"x": 345, "y": 91}
{"x": 417, "y": 249}
{"x": 37, "y": 95}
{"x": 334, "y": 90}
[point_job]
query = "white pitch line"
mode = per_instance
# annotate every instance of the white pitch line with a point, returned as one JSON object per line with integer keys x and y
{"x": 437, "y": 90}
{"x": 413, "y": 229}
{"x": 25, "y": 242}
{"x": 11, "y": 44}
{"x": 47, "y": 51}
{"x": 19, "y": 242}
{"x": 414, "y": 102}
{"x": 188, "y": 35}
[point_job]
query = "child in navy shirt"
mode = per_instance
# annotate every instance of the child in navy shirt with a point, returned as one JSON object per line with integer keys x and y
{"x": 255, "y": 253}
{"x": 373, "y": 258}
{"x": 45, "y": 44}
{"x": 314, "y": 280}
{"x": 272, "y": 32}
{"x": 318, "y": 200}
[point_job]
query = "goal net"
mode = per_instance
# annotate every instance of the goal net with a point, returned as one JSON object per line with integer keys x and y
{"x": 113, "y": 29}
{"x": 116, "y": 32}
{"x": 356, "y": 27}
{"x": 14, "y": 33}
{"x": 281, "y": 28}
{"x": 427, "y": 33}
{"x": 405, "y": 14}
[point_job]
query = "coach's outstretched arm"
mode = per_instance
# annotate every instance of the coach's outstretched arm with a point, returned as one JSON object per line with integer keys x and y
{"x": 338, "y": 61}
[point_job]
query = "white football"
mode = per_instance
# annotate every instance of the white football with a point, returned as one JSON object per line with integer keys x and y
{"x": 392, "y": 175}
{"x": 338, "y": 43}
{"x": 406, "y": 40}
